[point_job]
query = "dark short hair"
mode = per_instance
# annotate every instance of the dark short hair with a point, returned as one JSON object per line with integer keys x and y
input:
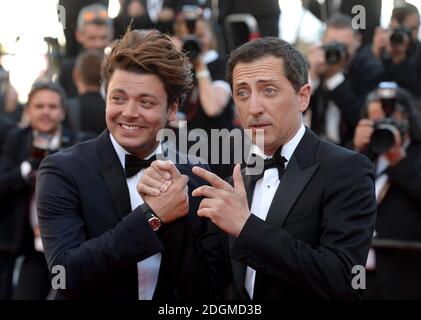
{"x": 340, "y": 21}
{"x": 294, "y": 64}
{"x": 46, "y": 85}
{"x": 89, "y": 64}
{"x": 405, "y": 101}
{"x": 151, "y": 52}
{"x": 400, "y": 13}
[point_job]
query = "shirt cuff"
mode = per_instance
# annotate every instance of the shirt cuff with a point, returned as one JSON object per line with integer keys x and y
{"x": 334, "y": 81}
{"x": 222, "y": 84}
{"x": 25, "y": 170}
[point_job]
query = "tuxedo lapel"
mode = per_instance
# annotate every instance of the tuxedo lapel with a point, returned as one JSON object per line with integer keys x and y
{"x": 113, "y": 174}
{"x": 298, "y": 173}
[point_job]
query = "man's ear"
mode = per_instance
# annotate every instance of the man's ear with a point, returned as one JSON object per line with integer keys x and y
{"x": 304, "y": 95}
{"x": 172, "y": 111}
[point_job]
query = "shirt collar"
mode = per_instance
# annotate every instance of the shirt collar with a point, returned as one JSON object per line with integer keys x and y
{"x": 52, "y": 142}
{"x": 287, "y": 149}
{"x": 121, "y": 152}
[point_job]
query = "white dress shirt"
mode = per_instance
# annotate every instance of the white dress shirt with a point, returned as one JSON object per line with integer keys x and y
{"x": 148, "y": 269}
{"x": 265, "y": 190}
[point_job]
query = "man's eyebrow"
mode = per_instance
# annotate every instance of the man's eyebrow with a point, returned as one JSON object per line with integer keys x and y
{"x": 142, "y": 95}
{"x": 263, "y": 81}
{"x": 118, "y": 90}
{"x": 260, "y": 81}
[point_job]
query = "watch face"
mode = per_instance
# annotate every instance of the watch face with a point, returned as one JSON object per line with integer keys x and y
{"x": 155, "y": 223}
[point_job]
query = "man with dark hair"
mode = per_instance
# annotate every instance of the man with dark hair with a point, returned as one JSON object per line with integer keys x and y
{"x": 24, "y": 149}
{"x": 113, "y": 243}
{"x": 340, "y": 80}
{"x": 94, "y": 31}
{"x": 86, "y": 112}
{"x": 298, "y": 229}
{"x": 390, "y": 134}
{"x": 397, "y": 51}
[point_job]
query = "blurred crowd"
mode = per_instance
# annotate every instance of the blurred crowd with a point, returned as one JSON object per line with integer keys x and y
{"x": 366, "y": 96}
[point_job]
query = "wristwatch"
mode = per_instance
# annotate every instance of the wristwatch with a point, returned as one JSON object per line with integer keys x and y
{"x": 151, "y": 217}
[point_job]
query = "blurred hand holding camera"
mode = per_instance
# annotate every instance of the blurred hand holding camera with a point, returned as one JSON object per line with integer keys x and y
{"x": 393, "y": 43}
{"x": 327, "y": 60}
{"x": 387, "y": 129}
{"x": 363, "y": 133}
{"x": 363, "y": 139}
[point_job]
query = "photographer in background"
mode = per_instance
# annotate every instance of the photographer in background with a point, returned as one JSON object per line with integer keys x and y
{"x": 146, "y": 14}
{"x": 209, "y": 104}
{"x": 340, "y": 80}
{"x": 397, "y": 50}
{"x": 23, "y": 151}
{"x": 94, "y": 31}
{"x": 390, "y": 134}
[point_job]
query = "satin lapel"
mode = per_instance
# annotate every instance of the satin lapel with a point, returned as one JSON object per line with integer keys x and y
{"x": 113, "y": 174}
{"x": 290, "y": 187}
{"x": 300, "y": 169}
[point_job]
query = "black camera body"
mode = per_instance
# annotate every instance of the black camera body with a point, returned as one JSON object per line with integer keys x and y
{"x": 399, "y": 34}
{"x": 192, "y": 47}
{"x": 335, "y": 52}
{"x": 383, "y": 136}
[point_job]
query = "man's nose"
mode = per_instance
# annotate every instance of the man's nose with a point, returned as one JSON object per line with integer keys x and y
{"x": 256, "y": 105}
{"x": 130, "y": 110}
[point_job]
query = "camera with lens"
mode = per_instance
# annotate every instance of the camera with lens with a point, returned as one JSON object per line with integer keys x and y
{"x": 191, "y": 44}
{"x": 192, "y": 47}
{"x": 383, "y": 136}
{"x": 335, "y": 52}
{"x": 399, "y": 35}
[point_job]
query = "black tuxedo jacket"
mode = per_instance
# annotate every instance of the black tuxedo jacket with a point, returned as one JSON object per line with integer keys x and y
{"x": 399, "y": 218}
{"x": 319, "y": 225}
{"x": 361, "y": 77}
{"x": 16, "y": 235}
{"x": 5, "y": 126}
{"x": 88, "y": 227}
{"x": 86, "y": 114}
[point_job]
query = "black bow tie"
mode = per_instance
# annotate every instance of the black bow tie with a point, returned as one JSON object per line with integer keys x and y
{"x": 133, "y": 164}
{"x": 277, "y": 161}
